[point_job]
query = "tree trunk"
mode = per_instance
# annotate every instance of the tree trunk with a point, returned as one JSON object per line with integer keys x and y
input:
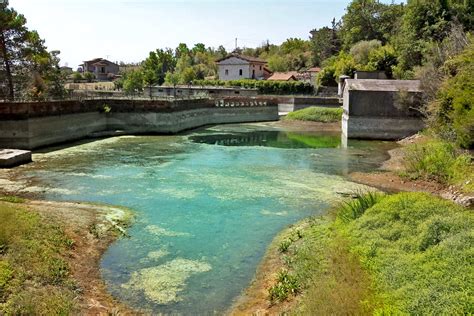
{"x": 3, "y": 47}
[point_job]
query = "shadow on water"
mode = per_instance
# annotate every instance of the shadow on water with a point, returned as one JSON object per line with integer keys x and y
{"x": 276, "y": 139}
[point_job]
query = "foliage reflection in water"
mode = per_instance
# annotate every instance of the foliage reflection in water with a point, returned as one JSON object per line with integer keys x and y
{"x": 205, "y": 213}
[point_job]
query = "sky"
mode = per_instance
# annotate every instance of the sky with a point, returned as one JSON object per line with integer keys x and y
{"x": 127, "y": 30}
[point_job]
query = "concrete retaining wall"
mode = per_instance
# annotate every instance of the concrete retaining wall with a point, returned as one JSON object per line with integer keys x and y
{"x": 381, "y": 109}
{"x": 33, "y": 125}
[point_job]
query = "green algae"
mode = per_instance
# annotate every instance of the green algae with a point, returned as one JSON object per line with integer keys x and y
{"x": 162, "y": 284}
{"x": 160, "y": 231}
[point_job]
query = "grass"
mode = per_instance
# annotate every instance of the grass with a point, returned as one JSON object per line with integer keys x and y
{"x": 419, "y": 250}
{"x": 439, "y": 161}
{"x": 34, "y": 277}
{"x": 316, "y": 114}
{"x": 355, "y": 208}
{"x": 408, "y": 253}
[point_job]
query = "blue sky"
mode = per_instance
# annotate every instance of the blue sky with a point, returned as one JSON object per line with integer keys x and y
{"x": 126, "y": 30}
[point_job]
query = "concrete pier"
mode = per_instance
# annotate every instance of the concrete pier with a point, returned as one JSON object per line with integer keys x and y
{"x": 14, "y": 157}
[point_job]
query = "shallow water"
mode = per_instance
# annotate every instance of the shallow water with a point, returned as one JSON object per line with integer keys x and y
{"x": 208, "y": 204}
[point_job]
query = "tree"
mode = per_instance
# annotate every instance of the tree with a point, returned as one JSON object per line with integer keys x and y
{"x": 13, "y": 39}
{"x": 26, "y": 65}
{"x": 383, "y": 59}
{"x": 362, "y": 50}
{"x": 89, "y": 76}
{"x": 325, "y": 42}
{"x": 367, "y": 20}
{"x": 133, "y": 82}
{"x": 428, "y": 21}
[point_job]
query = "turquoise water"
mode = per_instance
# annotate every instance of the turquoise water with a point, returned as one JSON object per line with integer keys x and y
{"x": 207, "y": 204}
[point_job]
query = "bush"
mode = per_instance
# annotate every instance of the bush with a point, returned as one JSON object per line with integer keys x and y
{"x": 354, "y": 209}
{"x": 284, "y": 245}
{"x": 439, "y": 161}
{"x": 263, "y": 86}
{"x": 316, "y": 114}
{"x": 287, "y": 285}
{"x": 453, "y": 109}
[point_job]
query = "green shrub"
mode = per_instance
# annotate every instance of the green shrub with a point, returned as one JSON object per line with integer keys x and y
{"x": 420, "y": 250}
{"x": 284, "y": 245}
{"x": 439, "y": 161}
{"x": 287, "y": 285}
{"x": 452, "y": 113}
{"x": 263, "y": 86}
{"x": 354, "y": 209}
{"x": 316, "y": 114}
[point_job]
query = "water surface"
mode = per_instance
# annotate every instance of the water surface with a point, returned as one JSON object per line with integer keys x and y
{"x": 208, "y": 204}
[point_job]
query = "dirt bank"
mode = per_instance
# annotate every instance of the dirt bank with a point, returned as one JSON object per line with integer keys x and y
{"x": 92, "y": 228}
{"x": 387, "y": 177}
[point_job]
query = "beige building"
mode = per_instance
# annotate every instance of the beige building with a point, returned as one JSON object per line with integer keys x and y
{"x": 235, "y": 67}
{"x": 101, "y": 68}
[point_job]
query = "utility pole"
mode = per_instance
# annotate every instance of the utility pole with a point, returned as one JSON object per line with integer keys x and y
{"x": 236, "y": 43}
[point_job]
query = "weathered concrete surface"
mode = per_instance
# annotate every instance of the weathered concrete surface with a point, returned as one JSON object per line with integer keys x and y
{"x": 33, "y": 125}
{"x": 381, "y": 109}
{"x": 14, "y": 157}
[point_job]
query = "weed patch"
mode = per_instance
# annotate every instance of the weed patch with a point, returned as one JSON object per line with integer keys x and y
{"x": 316, "y": 114}
{"x": 439, "y": 161}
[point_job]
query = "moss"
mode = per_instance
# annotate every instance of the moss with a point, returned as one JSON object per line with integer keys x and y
{"x": 316, "y": 114}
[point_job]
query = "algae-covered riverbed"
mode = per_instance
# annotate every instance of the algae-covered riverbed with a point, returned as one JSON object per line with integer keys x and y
{"x": 207, "y": 203}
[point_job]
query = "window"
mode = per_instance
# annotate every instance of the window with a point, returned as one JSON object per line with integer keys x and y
{"x": 260, "y": 67}
{"x": 240, "y": 72}
{"x": 227, "y": 72}
{"x": 102, "y": 70}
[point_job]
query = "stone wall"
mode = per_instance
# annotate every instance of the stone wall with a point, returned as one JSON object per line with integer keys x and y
{"x": 33, "y": 125}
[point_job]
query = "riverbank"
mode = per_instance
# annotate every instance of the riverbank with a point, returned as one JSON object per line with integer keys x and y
{"x": 334, "y": 261}
{"x": 367, "y": 257}
{"x": 388, "y": 177}
{"x": 84, "y": 231}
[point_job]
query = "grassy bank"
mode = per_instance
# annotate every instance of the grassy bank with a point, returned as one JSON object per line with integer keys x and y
{"x": 409, "y": 253}
{"x": 440, "y": 161}
{"x": 49, "y": 257}
{"x": 34, "y": 275}
{"x": 316, "y": 114}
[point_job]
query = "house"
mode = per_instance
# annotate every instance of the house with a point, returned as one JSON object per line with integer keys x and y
{"x": 235, "y": 67}
{"x": 66, "y": 70}
{"x": 284, "y": 76}
{"x": 101, "y": 68}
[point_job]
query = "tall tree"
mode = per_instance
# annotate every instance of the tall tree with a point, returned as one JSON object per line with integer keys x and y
{"x": 13, "y": 36}
{"x": 367, "y": 20}
{"x": 26, "y": 65}
{"x": 325, "y": 42}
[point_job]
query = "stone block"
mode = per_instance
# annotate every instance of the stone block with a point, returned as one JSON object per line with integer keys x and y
{"x": 14, "y": 157}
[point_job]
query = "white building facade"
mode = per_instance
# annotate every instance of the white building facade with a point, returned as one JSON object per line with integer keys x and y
{"x": 235, "y": 67}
